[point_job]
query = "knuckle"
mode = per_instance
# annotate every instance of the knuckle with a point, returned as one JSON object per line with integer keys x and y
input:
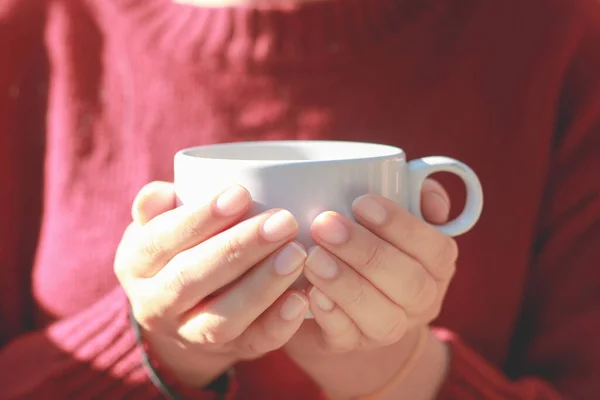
{"x": 176, "y": 282}
{"x": 232, "y": 250}
{"x": 150, "y": 246}
{"x": 219, "y": 333}
{"x": 373, "y": 257}
{"x": 392, "y": 330}
{"x": 192, "y": 228}
{"x": 421, "y": 292}
{"x": 445, "y": 256}
{"x": 149, "y": 319}
{"x": 250, "y": 349}
{"x": 356, "y": 295}
{"x": 256, "y": 346}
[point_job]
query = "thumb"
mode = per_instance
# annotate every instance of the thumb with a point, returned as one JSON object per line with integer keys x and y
{"x": 152, "y": 200}
{"x": 435, "y": 202}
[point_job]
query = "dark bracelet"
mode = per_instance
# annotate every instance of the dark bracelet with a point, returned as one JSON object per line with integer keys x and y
{"x": 219, "y": 385}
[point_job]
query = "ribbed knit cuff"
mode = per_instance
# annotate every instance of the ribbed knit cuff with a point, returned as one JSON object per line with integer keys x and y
{"x": 92, "y": 355}
{"x": 471, "y": 377}
{"x": 102, "y": 334}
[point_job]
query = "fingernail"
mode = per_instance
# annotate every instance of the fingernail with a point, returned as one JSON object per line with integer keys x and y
{"x": 321, "y": 263}
{"x": 439, "y": 198}
{"x": 367, "y": 208}
{"x": 440, "y": 204}
{"x": 279, "y": 226}
{"x": 322, "y": 301}
{"x": 330, "y": 229}
{"x": 293, "y": 307}
{"x": 289, "y": 258}
{"x": 232, "y": 201}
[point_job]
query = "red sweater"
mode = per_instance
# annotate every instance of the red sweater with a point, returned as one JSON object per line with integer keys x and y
{"x": 97, "y": 95}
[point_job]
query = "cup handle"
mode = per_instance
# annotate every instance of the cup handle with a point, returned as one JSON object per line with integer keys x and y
{"x": 420, "y": 168}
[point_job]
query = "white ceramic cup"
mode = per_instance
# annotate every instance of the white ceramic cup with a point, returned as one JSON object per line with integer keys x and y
{"x": 310, "y": 177}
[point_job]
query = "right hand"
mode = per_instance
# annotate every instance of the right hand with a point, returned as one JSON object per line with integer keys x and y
{"x": 206, "y": 289}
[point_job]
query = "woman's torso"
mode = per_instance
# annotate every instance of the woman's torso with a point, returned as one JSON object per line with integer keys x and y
{"x": 124, "y": 98}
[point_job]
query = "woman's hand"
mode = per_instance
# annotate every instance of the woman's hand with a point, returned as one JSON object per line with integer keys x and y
{"x": 209, "y": 291}
{"x": 376, "y": 283}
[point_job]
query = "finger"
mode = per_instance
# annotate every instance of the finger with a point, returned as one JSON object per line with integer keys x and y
{"x": 422, "y": 241}
{"x": 435, "y": 202}
{"x": 400, "y": 277}
{"x": 194, "y": 274}
{"x": 247, "y": 299}
{"x": 275, "y": 327}
{"x": 172, "y": 232}
{"x": 376, "y": 315}
{"x": 152, "y": 200}
{"x": 338, "y": 332}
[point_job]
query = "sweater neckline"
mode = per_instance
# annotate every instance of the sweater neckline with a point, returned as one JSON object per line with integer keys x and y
{"x": 309, "y": 31}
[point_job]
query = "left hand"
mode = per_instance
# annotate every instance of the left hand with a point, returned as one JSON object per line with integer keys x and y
{"x": 373, "y": 282}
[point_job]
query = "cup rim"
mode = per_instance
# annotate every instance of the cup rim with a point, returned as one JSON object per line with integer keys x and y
{"x": 385, "y": 151}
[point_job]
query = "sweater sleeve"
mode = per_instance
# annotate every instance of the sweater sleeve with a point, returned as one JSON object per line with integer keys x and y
{"x": 92, "y": 355}
{"x": 555, "y": 352}
{"x": 471, "y": 377}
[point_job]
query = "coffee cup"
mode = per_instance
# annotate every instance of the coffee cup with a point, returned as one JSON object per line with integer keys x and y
{"x": 308, "y": 177}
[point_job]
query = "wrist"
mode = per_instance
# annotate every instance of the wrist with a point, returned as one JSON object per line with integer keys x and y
{"x": 170, "y": 365}
{"x": 183, "y": 365}
{"x": 426, "y": 377}
{"x": 413, "y": 368}
{"x": 383, "y": 371}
